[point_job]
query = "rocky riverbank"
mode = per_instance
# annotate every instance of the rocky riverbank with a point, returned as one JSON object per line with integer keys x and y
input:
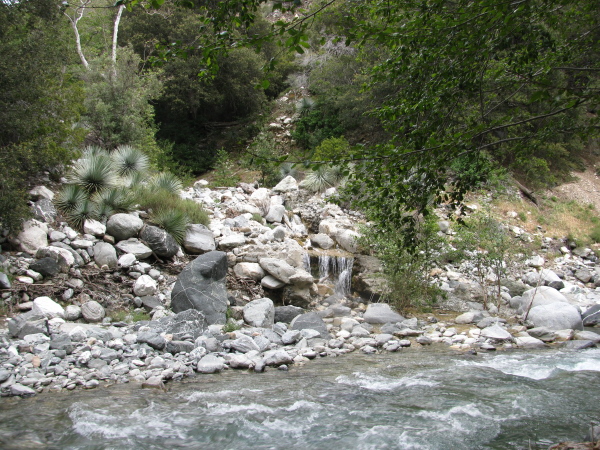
{"x": 217, "y": 311}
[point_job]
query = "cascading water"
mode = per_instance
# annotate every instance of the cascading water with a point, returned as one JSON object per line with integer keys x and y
{"x": 333, "y": 268}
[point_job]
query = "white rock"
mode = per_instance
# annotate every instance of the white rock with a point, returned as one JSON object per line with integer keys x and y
{"x": 33, "y": 237}
{"x": 249, "y": 270}
{"x": 144, "y": 285}
{"x": 288, "y": 184}
{"x": 260, "y": 313}
{"x": 48, "y": 308}
{"x": 93, "y": 227}
{"x": 126, "y": 261}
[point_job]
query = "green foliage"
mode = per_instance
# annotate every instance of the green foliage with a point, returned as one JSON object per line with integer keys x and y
{"x": 595, "y": 234}
{"x": 487, "y": 244}
{"x": 231, "y": 326}
{"x": 167, "y": 182}
{"x": 94, "y": 171}
{"x": 129, "y": 160}
{"x": 322, "y": 178}
{"x": 173, "y": 221}
{"x": 262, "y": 156}
{"x": 332, "y": 149}
{"x": 315, "y": 126}
{"x": 118, "y": 109}
{"x": 40, "y": 101}
{"x": 407, "y": 265}
{"x": 155, "y": 200}
{"x": 224, "y": 173}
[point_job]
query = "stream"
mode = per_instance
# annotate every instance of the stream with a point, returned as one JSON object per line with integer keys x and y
{"x": 429, "y": 398}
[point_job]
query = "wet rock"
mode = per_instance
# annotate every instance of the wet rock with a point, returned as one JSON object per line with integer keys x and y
{"x": 529, "y": 342}
{"x": 210, "y": 364}
{"x": 20, "y": 390}
{"x": 201, "y": 286}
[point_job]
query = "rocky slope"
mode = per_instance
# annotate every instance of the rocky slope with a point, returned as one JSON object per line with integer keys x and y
{"x": 279, "y": 280}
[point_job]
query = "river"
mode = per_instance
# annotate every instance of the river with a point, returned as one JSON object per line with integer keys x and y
{"x": 430, "y": 398}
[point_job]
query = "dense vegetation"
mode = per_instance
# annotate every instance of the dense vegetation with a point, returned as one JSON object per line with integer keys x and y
{"x": 422, "y": 98}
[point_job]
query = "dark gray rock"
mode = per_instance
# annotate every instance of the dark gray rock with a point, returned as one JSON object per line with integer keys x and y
{"x": 174, "y": 347}
{"x": 579, "y": 345}
{"x": 151, "y": 338}
{"x": 27, "y": 323}
{"x": 201, "y": 286}
{"x": 47, "y": 267}
{"x": 61, "y": 342}
{"x": 591, "y": 316}
{"x": 150, "y": 302}
{"x": 44, "y": 210}
{"x": 161, "y": 242}
{"x": 310, "y": 320}
{"x": 286, "y": 314}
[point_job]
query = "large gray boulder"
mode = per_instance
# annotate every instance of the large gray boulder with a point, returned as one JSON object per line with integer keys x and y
{"x": 556, "y": 316}
{"x": 123, "y": 226}
{"x": 190, "y": 322}
{"x": 44, "y": 210}
{"x": 381, "y": 313}
{"x": 28, "y": 323}
{"x": 311, "y": 321}
{"x": 45, "y": 306}
{"x": 542, "y": 295}
{"x": 260, "y": 313}
{"x": 162, "y": 243}
{"x": 287, "y": 313}
{"x": 199, "y": 239}
{"x": 33, "y": 237}
{"x": 201, "y": 286}
{"x": 105, "y": 255}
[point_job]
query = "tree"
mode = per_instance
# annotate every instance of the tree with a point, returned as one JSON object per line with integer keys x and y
{"x": 39, "y": 100}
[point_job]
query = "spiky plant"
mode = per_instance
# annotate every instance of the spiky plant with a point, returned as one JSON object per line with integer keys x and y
{"x": 69, "y": 197}
{"x": 322, "y": 178}
{"x": 305, "y": 106}
{"x": 288, "y": 169}
{"x": 129, "y": 160}
{"x": 94, "y": 173}
{"x": 134, "y": 180}
{"x": 115, "y": 199}
{"x": 173, "y": 221}
{"x": 166, "y": 181}
{"x": 84, "y": 210}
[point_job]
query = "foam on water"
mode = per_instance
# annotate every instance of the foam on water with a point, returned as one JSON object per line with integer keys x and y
{"x": 382, "y": 383}
{"x": 249, "y": 408}
{"x": 462, "y": 418}
{"x": 145, "y": 423}
{"x": 540, "y": 366}
{"x": 203, "y": 395}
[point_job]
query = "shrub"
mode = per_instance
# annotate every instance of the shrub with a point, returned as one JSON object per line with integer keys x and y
{"x": 224, "y": 174}
{"x": 322, "y": 178}
{"x": 167, "y": 182}
{"x": 129, "y": 161}
{"x": 173, "y": 221}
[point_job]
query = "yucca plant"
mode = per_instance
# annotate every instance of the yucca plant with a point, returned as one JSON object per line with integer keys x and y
{"x": 86, "y": 209}
{"x": 69, "y": 197}
{"x": 173, "y": 221}
{"x": 322, "y": 178}
{"x": 117, "y": 199}
{"x": 166, "y": 181}
{"x": 129, "y": 161}
{"x": 94, "y": 172}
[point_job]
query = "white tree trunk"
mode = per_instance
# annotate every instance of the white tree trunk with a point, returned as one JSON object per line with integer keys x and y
{"x": 114, "y": 38}
{"x": 74, "y": 21}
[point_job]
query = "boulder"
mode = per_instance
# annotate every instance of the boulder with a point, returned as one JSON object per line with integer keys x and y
{"x": 72, "y": 312}
{"x": 469, "y": 317}
{"x": 244, "y": 344}
{"x": 556, "y": 316}
{"x": 232, "y": 241}
{"x": 152, "y": 338}
{"x": 48, "y": 308}
{"x": 33, "y": 237}
{"x": 201, "y": 286}
{"x": 348, "y": 240}
{"x": 322, "y": 241}
{"x": 135, "y": 247}
{"x": 47, "y": 266}
{"x": 249, "y": 270}
{"x": 199, "y": 239}
{"x": 591, "y": 316}
{"x": 278, "y": 268}
{"x": 4, "y": 281}
{"x": 144, "y": 285}
{"x": 277, "y": 357}
{"x": 44, "y": 210}
{"x": 123, "y": 226}
{"x": 39, "y": 192}
{"x": 288, "y": 184}
{"x": 190, "y": 322}
{"x": 65, "y": 258}
{"x": 275, "y": 214}
{"x": 28, "y": 323}
{"x": 259, "y": 313}
{"x": 381, "y": 313}
{"x": 496, "y": 332}
{"x": 92, "y": 311}
{"x": 162, "y": 243}
{"x": 105, "y": 255}
{"x": 544, "y": 276}
{"x": 210, "y": 364}
{"x": 93, "y": 227}
{"x": 126, "y": 260}
{"x": 270, "y": 282}
{"x": 311, "y": 321}
{"x": 542, "y": 295}
{"x": 529, "y": 342}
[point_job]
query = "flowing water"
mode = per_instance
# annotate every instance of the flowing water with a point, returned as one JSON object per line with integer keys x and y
{"x": 334, "y": 269}
{"x": 415, "y": 399}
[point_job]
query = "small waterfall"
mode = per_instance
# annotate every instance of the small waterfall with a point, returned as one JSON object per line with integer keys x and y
{"x": 306, "y": 262}
{"x": 335, "y": 269}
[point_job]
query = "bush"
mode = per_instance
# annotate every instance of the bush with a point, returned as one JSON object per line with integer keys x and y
{"x": 224, "y": 174}
{"x": 407, "y": 265}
